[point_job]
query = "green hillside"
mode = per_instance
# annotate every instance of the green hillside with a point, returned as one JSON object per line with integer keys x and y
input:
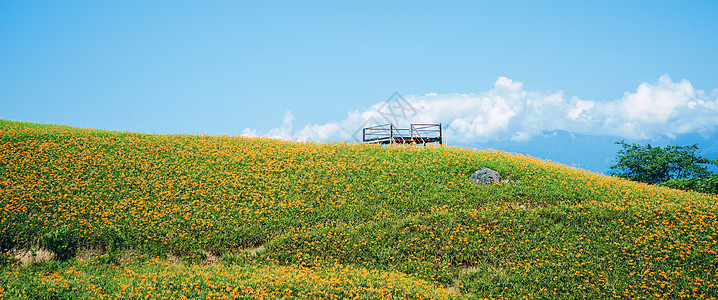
{"x": 171, "y": 216}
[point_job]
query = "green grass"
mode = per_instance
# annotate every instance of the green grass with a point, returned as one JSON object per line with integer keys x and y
{"x": 202, "y": 216}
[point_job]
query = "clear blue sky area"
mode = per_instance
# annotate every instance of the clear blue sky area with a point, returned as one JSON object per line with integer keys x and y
{"x": 234, "y": 67}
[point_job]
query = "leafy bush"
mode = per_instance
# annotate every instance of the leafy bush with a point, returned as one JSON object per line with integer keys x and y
{"x": 703, "y": 185}
{"x": 655, "y": 164}
{"x": 677, "y": 167}
{"x": 60, "y": 241}
{"x": 6, "y": 242}
{"x": 113, "y": 239}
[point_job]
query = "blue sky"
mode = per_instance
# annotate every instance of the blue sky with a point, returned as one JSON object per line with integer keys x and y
{"x": 499, "y": 71}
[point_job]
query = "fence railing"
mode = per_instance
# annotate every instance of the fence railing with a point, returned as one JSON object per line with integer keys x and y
{"x": 423, "y": 133}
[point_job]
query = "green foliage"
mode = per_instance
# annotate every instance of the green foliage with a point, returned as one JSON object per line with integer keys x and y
{"x": 196, "y": 257}
{"x": 703, "y": 185}
{"x": 31, "y": 283}
{"x": 113, "y": 239}
{"x": 655, "y": 165}
{"x": 6, "y": 242}
{"x": 60, "y": 241}
{"x": 6, "y": 260}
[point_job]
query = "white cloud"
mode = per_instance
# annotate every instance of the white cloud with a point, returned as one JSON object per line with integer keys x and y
{"x": 283, "y": 132}
{"x": 507, "y": 111}
{"x": 666, "y": 108}
{"x": 249, "y": 132}
{"x": 580, "y": 106}
{"x": 318, "y": 132}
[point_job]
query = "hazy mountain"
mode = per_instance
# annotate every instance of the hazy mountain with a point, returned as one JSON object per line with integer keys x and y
{"x": 592, "y": 152}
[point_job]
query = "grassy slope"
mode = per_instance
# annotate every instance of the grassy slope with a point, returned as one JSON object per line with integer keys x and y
{"x": 338, "y": 220}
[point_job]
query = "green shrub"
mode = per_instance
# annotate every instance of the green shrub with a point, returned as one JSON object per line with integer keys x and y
{"x": 60, "y": 241}
{"x": 113, "y": 239}
{"x": 6, "y": 242}
{"x": 703, "y": 185}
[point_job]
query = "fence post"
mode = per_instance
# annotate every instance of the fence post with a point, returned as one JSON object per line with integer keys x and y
{"x": 441, "y": 136}
{"x": 391, "y": 133}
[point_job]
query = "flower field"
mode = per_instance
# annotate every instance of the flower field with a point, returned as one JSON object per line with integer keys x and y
{"x": 190, "y": 216}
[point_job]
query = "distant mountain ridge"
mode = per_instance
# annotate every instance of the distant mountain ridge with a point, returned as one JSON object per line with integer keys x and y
{"x": 595, "y": 153}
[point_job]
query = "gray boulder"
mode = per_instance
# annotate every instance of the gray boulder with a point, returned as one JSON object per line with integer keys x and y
{"x": 485, "y": 176}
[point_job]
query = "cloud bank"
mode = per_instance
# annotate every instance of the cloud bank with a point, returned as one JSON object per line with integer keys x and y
{"x": 507, "y": 111}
